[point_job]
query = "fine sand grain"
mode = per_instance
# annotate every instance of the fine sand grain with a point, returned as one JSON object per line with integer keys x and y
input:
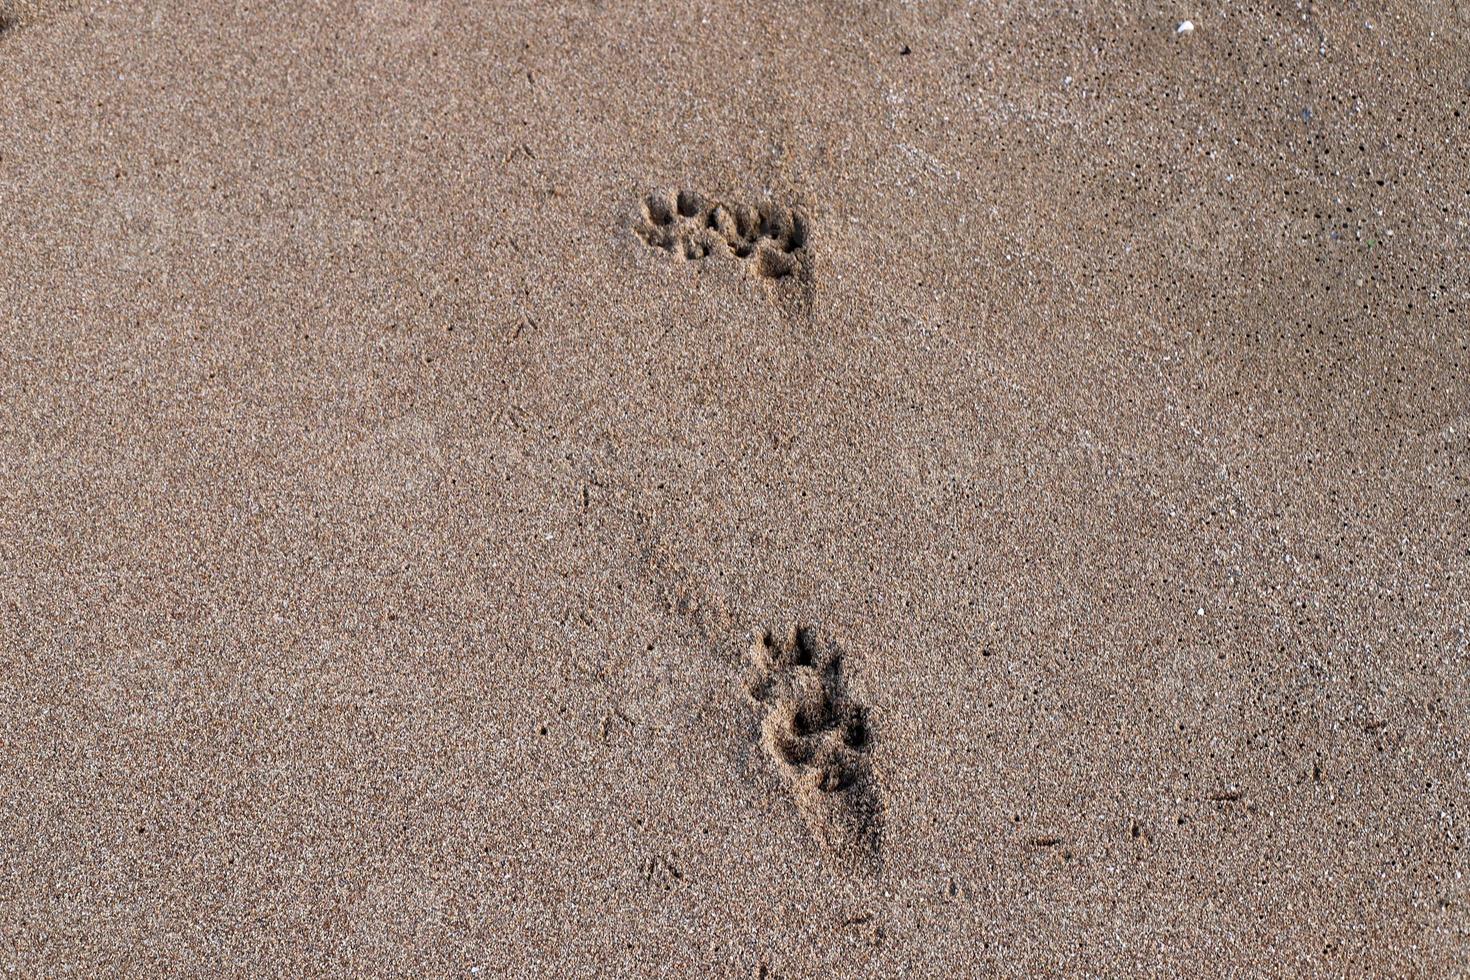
{"x": 821, "y": 488}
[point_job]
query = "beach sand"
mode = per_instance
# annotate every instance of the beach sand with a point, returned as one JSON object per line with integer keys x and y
{"x": 803, "y": 489}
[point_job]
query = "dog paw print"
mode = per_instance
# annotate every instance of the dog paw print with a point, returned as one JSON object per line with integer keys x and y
{"x": 771, "y": 239}
{"x": 820, "y": 741}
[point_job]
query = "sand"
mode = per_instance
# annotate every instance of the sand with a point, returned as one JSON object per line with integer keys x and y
{"x": 534, "y": 489}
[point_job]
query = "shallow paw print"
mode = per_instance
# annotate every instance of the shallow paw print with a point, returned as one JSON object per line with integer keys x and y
{"x": 820, "y": 740}
{"x": 140, "y": 228}
{"x": 781, "y": 238}
{"x": 769, "y": 239}
{"x": 657, "y": 227}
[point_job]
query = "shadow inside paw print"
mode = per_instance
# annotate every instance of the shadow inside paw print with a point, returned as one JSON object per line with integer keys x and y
{"x": 820, "y": 740}
{"x": 770, "y": 238}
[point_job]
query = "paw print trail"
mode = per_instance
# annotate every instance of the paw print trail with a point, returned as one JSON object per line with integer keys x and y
{"x": 820, "y": 741}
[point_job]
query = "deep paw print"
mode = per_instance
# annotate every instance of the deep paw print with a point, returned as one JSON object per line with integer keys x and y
{"x": 820, "y": 741}
{"x": 771, "y": 239}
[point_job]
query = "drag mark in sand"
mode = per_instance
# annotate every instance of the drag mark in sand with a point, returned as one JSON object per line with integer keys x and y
{"x": 769, "y": 238}
{"x": 820, "y": 741}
